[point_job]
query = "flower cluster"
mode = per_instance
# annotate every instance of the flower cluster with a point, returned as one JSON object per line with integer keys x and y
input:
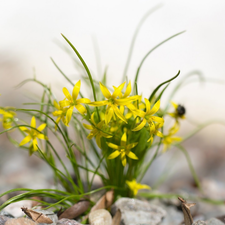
{"x": 123, "y": 126}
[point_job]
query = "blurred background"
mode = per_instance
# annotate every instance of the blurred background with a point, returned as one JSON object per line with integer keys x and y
{"x": 103, "y": 30}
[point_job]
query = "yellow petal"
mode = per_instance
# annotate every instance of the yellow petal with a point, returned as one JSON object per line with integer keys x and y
{"x": 33, "y": 122}
{"x": 113, "y": 146}
{"x": 69, "y": 115}
{"x": 132, "y": 145}
{"x": 67, "y": 94}
{"x": 174, "y": 105}
{"x": 123, "y": 158}
{"x": 150, "y": 139}
{"x": 99, "y": 103}
{"x": 143, "y": 186}
{"x": 92, "y": 134}
{"x": 42, "y": 136}
{"x": 35, "y": 143}
{"x": 64, "y": 103}
{"x": 147, "y": 105}
{"x": 124, "y": 101}
{"x": 81, "y": 108}
{"x": 56, "y": 104}
{"x": 76, "y": 90}
{"x": 114, "y": 155}
{"x": 132, "y": 155}
{"x": 118, "y": 90}
{"x": 105, "y": 91}
{"x": 140, "y": 126}
{"x": 139, "y": 113}
{"x": 25, "y": 140}
{"x": 157, "y": 119}
{"x": 23, "y": 129}
{"x": 119, "y": 114}
{"x": 158, "y": 133}
{"x": 108, "y": 114}
{"x": 57, "y": 113}
{"x": 98, "y": 140}
{"x": 42, "y": 127}
{"x": 83, "y": 100}
{"x": 124, "y": 139}
{"x": 155, "y": 108}
{"x": 89, "y": 127}
{"x": 128, "y": 90}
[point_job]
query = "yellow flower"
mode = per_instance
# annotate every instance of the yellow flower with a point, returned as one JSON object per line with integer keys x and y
{"x": 7, "y": 118}
{"x": 33, "y": 135}
{"x": 134, "y": 186}
{"x": 72, "y": 101}
{"x": 179, "y": 111}
{"x": 113, "y": 101}
{"x": 96, "y": 130}
{"x": 60, "y": 113}
{"x": 123, "y": 150}
{"x": 148, "y": 116}
{"x": 154, "y": 131}
{"x": 170, "y": 139}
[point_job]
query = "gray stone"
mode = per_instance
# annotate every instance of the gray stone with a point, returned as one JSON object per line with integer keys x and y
{"x": 172, "y": 217}
{"x": 4, "y": 213}
{"x": 214, "y": 221}
{"x": 3, "y": 219}
{"x": 136, "y": 212}
{"x": 199, "y": 222}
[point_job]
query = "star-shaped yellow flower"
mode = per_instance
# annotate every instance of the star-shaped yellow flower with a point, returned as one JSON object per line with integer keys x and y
{"x": 134, "y": 186}
{"x": 60, "y": 113}
{"x": 33, "y": 135}
{"x": 113, "y": 101}
{"x": 169, "y": 138}
{"x": 148, "y": 116}
{"x": 123, "y": 150}
{"x": 97, "y": 130}
{"x": 7, "y": 118}
{"x": 72, "y": 101}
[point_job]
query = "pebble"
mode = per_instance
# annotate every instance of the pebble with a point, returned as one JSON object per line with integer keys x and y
{"x": 68, "y": 222}
{"x": 100, "y": 217}
{"x": 4, "y": 213}
{"x": 199, "y": 222}
{"x": 3, "y": 219}
{"x": 214, "y": 221}
{"x": 20, "y": 221}
{"x": 135, "y": 212}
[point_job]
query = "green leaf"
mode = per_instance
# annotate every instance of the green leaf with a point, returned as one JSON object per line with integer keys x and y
{"x": 157, "y": 88}
{"x": 142, "y": 61}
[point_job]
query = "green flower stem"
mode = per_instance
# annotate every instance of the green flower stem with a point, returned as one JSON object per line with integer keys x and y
{"x": 157, "y": 88}
{"x": 62, "y": 73}
{"x": 96, "y": 170}
{"x": 150, "y": 162}
{"x": 67, "y": 78}
{"x": 68, "y": 176}
{"x": 87, "y": 70}
{"x": 190, "y": 166}
{"x": 152, "y": 195}
{"x": 178, "y": 86}
{"x": 86, "y": 134}
{"x": 142, "y": 61}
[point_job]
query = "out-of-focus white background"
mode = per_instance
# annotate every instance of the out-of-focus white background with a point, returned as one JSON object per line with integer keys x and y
{"x": 30, "y": 30}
